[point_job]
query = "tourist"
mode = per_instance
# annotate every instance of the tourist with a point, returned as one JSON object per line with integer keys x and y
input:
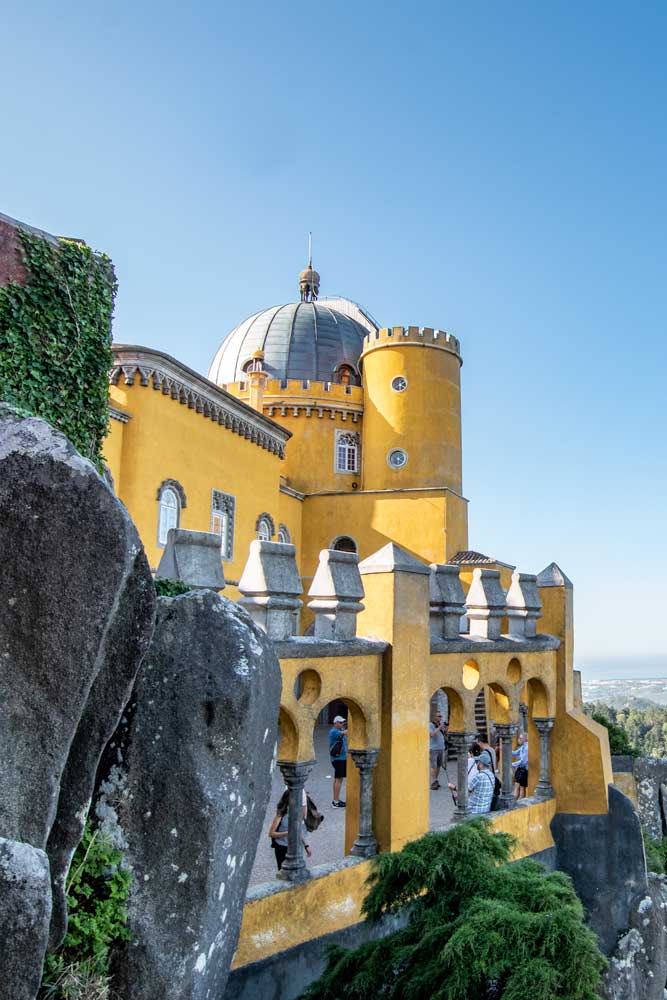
{"x": 520, "y": 766}
{"x": 474, "y": 750}
{"x": 338, "y": 754}
{"x": 436, "y": 748}
{"x": 278, "y": 831}
{"x": 485, "y": 745}
{"x": 481, "y": 785}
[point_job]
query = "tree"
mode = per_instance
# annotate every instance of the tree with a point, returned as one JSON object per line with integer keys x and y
{"x": 478, "y": 928}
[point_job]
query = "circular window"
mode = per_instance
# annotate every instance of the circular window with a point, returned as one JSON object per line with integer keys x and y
{"x": 399, "y": 383}
{"x": 397, "y": 458}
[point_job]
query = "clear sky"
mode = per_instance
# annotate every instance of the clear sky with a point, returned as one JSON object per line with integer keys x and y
{"x": 496, "y": 170}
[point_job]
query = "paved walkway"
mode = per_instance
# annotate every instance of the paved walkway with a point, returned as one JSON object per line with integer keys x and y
{"x": 328, "y": 842}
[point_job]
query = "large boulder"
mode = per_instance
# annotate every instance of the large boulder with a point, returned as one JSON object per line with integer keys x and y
{"x": 638, "y": 965}
{"x": 187, "y": 783}
{"x": 25, "y": 909}
{"x": 77, "y": 612}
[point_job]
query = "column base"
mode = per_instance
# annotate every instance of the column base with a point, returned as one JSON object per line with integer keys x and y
{"x": 294, "y": 874}
{"x": 543, "y": 791}
{"x": 365, "y": 847}
{"x": 506, "y": 802}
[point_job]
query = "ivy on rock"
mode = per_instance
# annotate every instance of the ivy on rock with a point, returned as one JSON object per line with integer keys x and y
{"x": 55, "y": 339}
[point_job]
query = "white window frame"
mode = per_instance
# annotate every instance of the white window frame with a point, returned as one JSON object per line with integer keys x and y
{"x": 264, "y": 529}
{"x": 284, "y": 534}
{"x": 223, "y": 510}
{"x": 347, "y": 449}
{"x": 169, "y": 513}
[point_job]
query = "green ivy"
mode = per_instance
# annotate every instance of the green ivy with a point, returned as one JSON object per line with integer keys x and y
{"x": 97, "y": 893}
{"x": 477, "y": 927}
{"x": 170, "y": 588}
{"x": 55, "y": 339}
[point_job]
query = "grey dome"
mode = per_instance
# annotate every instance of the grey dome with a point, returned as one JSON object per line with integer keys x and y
{"x": 303, "y": 340}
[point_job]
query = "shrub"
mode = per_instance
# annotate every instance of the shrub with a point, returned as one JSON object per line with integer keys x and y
{"x": 655, "y": 849}
{"x": 618, "y": 738}
{"x": 97, "y": 892}
{"x": 478, "y": 928}
{"x": 170, "y": 588}
{"x": 55, "y": 339}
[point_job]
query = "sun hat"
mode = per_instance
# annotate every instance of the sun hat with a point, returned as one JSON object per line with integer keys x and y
{"x": 339, "y": 718}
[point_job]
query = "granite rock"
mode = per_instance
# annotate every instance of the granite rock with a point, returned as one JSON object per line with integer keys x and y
{"x": 638, "y": 965}
{"x": 187, "y": 781}
{"x": 25, "y": 909}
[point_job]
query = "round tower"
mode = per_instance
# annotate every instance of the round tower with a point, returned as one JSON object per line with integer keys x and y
{"x": 412, "y": 409}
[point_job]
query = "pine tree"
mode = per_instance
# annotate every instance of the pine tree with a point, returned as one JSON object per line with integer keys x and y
{"x": 478, "y": 928}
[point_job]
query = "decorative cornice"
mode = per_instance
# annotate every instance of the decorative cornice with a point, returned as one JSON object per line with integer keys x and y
{"x": 175, "y": 379}
{"x": 120, "y": 415}
{"x": 291, "y": 492}
{"x": 292, "y": 409}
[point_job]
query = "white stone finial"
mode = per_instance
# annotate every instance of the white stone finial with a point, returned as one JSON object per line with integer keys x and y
{"x": 271, "y": 585}
{"x": 193, "y": 557}
{"x": 485, "y": 604}
{"x": 446, "y": 600}
{"x": 337, "y": 590}
{"x": 524, "y": 606}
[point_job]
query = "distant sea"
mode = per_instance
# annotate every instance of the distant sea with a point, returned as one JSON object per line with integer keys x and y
{"x": 610, "y": 668}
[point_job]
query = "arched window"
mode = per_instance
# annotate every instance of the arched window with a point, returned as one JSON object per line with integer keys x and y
{"x": 283, "y": 533}
{"x": 168, "y": 514}
{"x": 347, "y": 452}
{"x": 265, "y": 527}
{"x": 343, "y": 543}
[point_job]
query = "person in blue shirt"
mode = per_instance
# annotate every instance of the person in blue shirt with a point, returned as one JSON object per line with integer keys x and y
{"x": 338, "y": 754}
{"x": 520, "y": 766}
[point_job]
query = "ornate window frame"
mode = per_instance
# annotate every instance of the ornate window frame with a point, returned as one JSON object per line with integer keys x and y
{"x": 284, "y": 534}
{"x": 266, "y": 522}
{"x": 223, "y": 510}
{"x": 166, "y": 518}
{"x": 347, "y": 452}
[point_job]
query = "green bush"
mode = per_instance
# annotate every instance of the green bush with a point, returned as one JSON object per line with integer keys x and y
{"x": 478, "y": 928}
{"x": 55, "y": 339}
{"x": 97, "y": 892}
{"x": 656, "y": 853}
{"x": 170, "y": 588}
{"x": 618, "y": 738}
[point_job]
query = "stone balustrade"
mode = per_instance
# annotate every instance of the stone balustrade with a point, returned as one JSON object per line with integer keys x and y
{"x": 271, "y": 585}
{"x": 336, "y": 591}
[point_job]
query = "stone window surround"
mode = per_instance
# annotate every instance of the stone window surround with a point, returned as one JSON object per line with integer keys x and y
{"x": 269, "y": 522}
{"x": 168, "y": 487}
{"x": 224, "y": 505}
{"x": 338, "y": 538}
{"x": 284, "y": 534}
{"x": 348, "y": 440}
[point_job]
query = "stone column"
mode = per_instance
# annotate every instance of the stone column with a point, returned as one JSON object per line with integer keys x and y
{"x": 294, "y": 866}
{"x": 544, "y": 788}
{"x": 523, "y": 718}
{"x": 460, "y": 742}
{"x": 506, "y": 731}
{"x": 365, "y": 846}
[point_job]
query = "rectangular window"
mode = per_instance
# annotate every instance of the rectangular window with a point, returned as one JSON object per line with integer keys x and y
{"x": 223, "y": 507}
{"x": 347, "y": 452}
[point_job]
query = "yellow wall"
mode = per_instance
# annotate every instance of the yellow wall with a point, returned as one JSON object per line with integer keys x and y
{"x": 424, "y": 420}
{"x": 625, "y": 782}
{"x": 167, "y": 440}
{"x": 290, "y": 513}
{"x": 417, "y": 521}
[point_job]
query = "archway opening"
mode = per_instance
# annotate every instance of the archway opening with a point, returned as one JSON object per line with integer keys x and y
{"x": 445, "y": 714}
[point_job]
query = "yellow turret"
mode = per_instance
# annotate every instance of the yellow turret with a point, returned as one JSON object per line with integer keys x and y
{"x": 412, "y": 409}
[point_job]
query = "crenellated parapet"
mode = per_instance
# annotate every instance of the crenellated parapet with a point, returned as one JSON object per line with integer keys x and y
{"x": 424, "y": 336}
{"x": 306, "y": 398}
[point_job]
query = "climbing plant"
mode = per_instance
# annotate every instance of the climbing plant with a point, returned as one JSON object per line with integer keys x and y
{"x": 97, "y": 891}
{"x": 55, "y": 339}
{"x": 170, "y": 588}
{"x": 478, "y": 928}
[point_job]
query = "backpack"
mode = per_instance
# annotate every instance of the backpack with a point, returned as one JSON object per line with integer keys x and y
{"x": 313, "y": 817}
{"x": 336, "y": 748}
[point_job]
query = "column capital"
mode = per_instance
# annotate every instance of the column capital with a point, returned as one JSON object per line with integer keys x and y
{"x": 461, "y": 740}
{"x": 544, "y": 725}
{"x": 295, "y": 772}
{"x": 364, "y": 760}
{"x": 506, "y": 729}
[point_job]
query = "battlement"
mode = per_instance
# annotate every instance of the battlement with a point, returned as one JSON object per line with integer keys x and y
{"x": 426, "y": 336}
{"x": 303, "y": 389}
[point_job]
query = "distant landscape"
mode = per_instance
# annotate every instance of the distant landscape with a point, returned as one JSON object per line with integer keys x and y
{"x": 626, "y": 693}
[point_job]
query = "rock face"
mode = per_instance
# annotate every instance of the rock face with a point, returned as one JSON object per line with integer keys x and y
{"x": 651, "y": 777}
{"x": 188, "y": 780}
{"x": 25, "y": 909}
{"x": 638, "y": 965}
{"x": 77, "y": 613}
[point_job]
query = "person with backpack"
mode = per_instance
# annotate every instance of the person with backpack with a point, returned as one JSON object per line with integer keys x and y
{"x": 338, "y": 754}
{"x": 481, "y": 786}
{"x": 278, "y": 829}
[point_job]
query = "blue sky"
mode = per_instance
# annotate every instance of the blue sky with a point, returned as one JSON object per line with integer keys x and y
{"x": 495, "y": 170}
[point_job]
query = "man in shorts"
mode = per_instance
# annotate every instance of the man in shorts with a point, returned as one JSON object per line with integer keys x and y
{"x": 436, "y": 748}
{"x": 338, "y": 754}
{"x": 520, "y": 766}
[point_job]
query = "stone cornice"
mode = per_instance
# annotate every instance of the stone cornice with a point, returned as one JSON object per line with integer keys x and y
{"x": 309, "y": 409}
{"x": 184, "y": 385}
{"x": 119, "y": 415}
{"x": 288, "y": 491}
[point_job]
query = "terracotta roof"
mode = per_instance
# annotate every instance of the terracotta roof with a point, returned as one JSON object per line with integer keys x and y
{"x": 469, "y": 557}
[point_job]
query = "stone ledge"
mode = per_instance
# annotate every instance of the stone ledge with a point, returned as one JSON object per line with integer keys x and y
{"x": 302, "y": 646}
{"x": 266, "y": 889}
{"x": 506, "y": 644}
